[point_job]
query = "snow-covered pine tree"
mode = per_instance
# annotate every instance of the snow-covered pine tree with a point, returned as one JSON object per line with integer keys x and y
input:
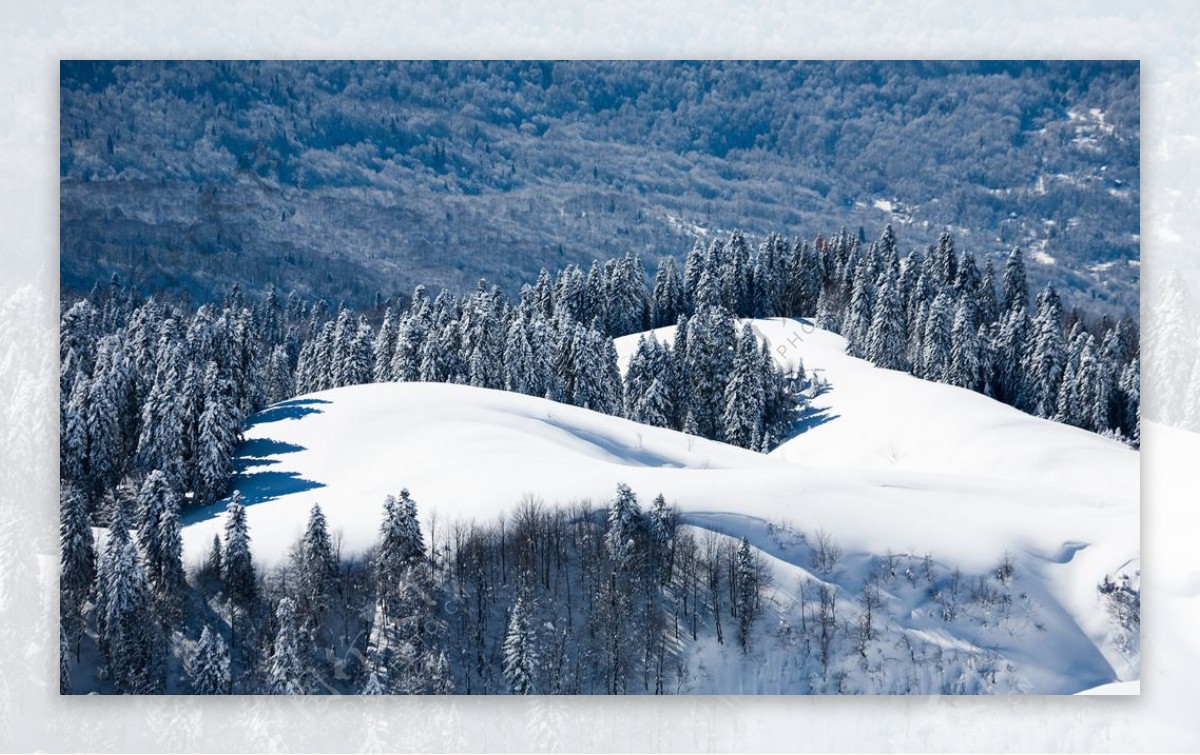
{"x": 945, "y": 260}
{"x": 218, "y": 434}
{"x": 742, "y": 421}
{"x": 1047, "y": 357}
{"x": 400, "y": 541}
{"x": 520, "y": 647}
{"x": 935, "y": 361}
{"x": 1012, "y": 342}
{"x": 746, "y": 579}
{"x": 569, "y": 292}
{"x": 385, "y": 348}
{"x": 544, "y": 341}
{"x": 693, "y": 269}
{"x": 988, "y": 304}
{"x": 1068, "y": 406}
{"x": 965, "y": 362}
{"x": 804, "y": 281}
{"x": 735, "y": 274}
{"x": 1090, "y": 411}
{"x": 519, "y": 368}
{"x": 916, "y": 340}
{"x": 161, "y": 545}
{"x": 286, "y": 674}
{"x": 885, "y": 344}
{"x": 103, "y": 432}
{"x": 131, "y": 646}
{"x": 237, "y": 567}
{"x": 410, "y": 339}
{"x": 74, "y": 463}
{"x": 212, "y": 564}
{"x": 1131, "y": 394}
{"x": 543, "y": 291}
{"x": 359, "y": 359}
{"x": 208, "y": 666}
{"x": 661, "y": 521}
{"x": 680, "y": 385}
{"x": 624, "y": 525}
{"x": 779, "y": 404}
{"x": 160, "y": 443}
{"x": 668, "y": 293}
{"x": 316, "y": 571}
{"x": 861, "y": 313}
{"x": 77, "y": 561}
{"x": 279, "y": 377}
{"x": 1014, "y": 287}
{"x": 709, "y": 360}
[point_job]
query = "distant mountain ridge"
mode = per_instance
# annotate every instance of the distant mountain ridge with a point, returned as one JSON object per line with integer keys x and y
{"x": 343, "y": 180}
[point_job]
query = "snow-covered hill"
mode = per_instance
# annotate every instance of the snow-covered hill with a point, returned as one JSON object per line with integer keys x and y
{"x": 884, "y": 464}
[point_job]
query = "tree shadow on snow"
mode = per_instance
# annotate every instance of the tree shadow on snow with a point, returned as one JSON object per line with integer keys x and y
{"x": 256, "y": 487}
{"x": 256, "y": 452}
{"x": 810, "y": 417}
{"x": 294, "y": 409}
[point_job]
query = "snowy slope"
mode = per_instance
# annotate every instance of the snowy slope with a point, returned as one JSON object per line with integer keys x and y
{"x": 876, "y": 419}
{"x": 898, "y": 465}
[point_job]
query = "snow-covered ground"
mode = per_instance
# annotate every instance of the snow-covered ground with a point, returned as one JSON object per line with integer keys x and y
{"x": 883, "y": 463}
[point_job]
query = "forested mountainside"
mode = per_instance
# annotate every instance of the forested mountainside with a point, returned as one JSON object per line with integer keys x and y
{"x": 338, "y": 179}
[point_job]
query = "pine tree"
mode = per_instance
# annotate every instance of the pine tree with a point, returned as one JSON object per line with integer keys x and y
{"x": 779, "y": 403}
{"x": 279, "y": 377}
{"x": 668, "y": 293}
{"x": 212, "y": 564}
{"x": 654, "y": 407}
{"x": 410, "y": 340}
{"x": 77, "y": 559}
{"x": 1047, "y": 359}
{"x": 693, "y": 269}
{"x": 885, "y": 345}
{"x": 162, "y": 546}
{"x": 64, "y": 661}
{"x": 735, "y": 273}
{"x": 746, "y": 579}
{"x": 520, "y": 648}
{"x": 103, "y": 433}
{"x": 1131, "y": 393}
{"x": 400, "y": 541}
{"x": 639, "y": 373}
{"x": 208, "y": 667}
{"x": 744, "y": 397}
{"x": 519, "y": 367}
{"x": 237, "y": 565}
{"x": 218, "y": 434}
{"x": 287, "y": 670}
{"x": 1014, "y": 288}
{"x": 624, "y": 524}
{"x": 708, "y": 363}
{"x": 73, "y": 457}
{"x": 935, "y": 361}
{"x": 316, "y": 570}
{"x": 945, "y": 260}
{"x": 861, "y": 313}
{"x": 965, "y": 367}
{"x": 988, "y": 304}
{"x": 131, "y": 646}
{"x": 1012, "y": 340}
{"x": 384, "y": 349}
